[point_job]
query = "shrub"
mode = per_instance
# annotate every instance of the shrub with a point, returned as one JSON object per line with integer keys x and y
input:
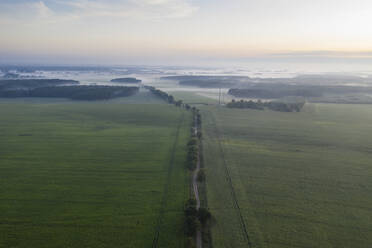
{"x": 191, "y": 225}
{"x": 204, "y": 215}
{"x": 201, "y": 175}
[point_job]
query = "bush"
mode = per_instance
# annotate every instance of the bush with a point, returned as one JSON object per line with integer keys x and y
{"x": 190, "y": 208}
{"x": 192, "y": 142}
{"x": 201, "y": 175}
{"x": 190, "y": 243}
{"x": 191, "y": 225}
{"x": 192, "y": 155}
{"x": 199, "y": 135}
{"x": 191, "y": 164}
{"x": 204, "y": 215}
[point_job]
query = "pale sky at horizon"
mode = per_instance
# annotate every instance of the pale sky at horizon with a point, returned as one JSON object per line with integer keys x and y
{"x": 141, "y": 31}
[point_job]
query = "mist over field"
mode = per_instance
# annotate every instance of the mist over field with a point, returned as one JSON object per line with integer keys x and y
{"x": 207, "y": 81}
{"x": 185, "y": 123}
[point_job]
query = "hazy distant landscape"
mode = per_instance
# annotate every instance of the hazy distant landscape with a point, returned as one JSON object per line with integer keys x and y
{"x": 185, "y": 124}
{"x": 110, "y": 160}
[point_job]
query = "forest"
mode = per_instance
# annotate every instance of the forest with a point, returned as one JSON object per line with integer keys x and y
{"x": 33, "y": 83}
{"x": 126, "y": 80}
{"x": 273, "y": 105}
{"x": 80, "y": 92}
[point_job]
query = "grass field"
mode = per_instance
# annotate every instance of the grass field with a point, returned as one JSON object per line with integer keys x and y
{"x": 283, "y": 180}
{"x": 104, "y": 174}
{"x": 193, "y": 98}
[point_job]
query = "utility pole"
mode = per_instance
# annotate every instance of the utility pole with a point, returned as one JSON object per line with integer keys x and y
{"x": 219, "y": 97}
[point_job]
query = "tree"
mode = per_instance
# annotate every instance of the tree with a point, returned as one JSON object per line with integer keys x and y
{"x": 190, "y": 208}
{"x": 204, "y": 215}
{"x": 192, "y": 142}
{"x": 199, "y": 135}
{"x": 191, "y": 226}
{"x": 191, "y": 221}
{"x": 190, "y": 243}
{"x": 170, "y": 99}
{"x": 191, "y": 164}
{"x": 201, "y": 175}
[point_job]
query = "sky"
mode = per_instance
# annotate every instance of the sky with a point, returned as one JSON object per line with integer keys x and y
{"x": 184, "y": 31}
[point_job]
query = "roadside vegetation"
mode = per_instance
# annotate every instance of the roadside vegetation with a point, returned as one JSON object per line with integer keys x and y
{"x": 165, "y": 96}
{"x": 197, "y": 218}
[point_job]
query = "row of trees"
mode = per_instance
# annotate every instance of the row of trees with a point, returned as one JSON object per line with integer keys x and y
{"x": 273, "y": 105}
{"x": 195, "y": 218}
{"x": 163, "y": 95}
{"x": 193, "y": 144}
{"x": 81, "y": 92}
{"x": 169, "y": 98}
{"x": 192, "y": 153}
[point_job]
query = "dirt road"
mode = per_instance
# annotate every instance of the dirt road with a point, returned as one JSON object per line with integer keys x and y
{"x": 198, "y": 238}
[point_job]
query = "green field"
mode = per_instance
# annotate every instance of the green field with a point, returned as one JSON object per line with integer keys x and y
{"x": 194, "y": 98}
{"x": 103, "y": 174}
{"x": 283, "y": 180}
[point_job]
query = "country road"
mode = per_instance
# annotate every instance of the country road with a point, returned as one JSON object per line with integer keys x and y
{"x": 198, "y": 238}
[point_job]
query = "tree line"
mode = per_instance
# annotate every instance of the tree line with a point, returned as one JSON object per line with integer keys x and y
{"x": 79, "y": 92}
{"x": 276, "y": 92}
{"x": 195, "y": 218}
{"x": 167, "y": 97}
{"x": 273, "y": 105}
{"x": 170, "y": 99}
{"x": 33, "y": 83}
{"x": 126, "y": 80}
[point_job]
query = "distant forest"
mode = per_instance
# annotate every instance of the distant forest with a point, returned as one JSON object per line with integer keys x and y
{"x": 282, "y": 90}
{"x": 245, "y": 81}
{"x": 319, "y": 88}
{"x": 81, "y": 92}
{"x": 207, "y": 81}
{"x": 33, "y": 83}
{"x": 126, "y": 80}
{"x": 275, "y": 92}
{"x": 273, "y": 105}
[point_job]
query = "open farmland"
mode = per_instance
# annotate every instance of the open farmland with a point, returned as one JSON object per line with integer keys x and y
{"x": 288, "y": 180}
{"x": 102, "y": 174}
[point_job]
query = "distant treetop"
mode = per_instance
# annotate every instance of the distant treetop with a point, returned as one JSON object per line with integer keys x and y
{"x": 126, "y": 80}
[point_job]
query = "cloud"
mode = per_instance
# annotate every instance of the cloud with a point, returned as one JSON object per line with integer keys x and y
{"x": 62, "y": 10}
{"x": 325, "y": 54}
{"x": 134, "y": 9}
{"x": 25, "y": 10}
{"x": 42, "y": 10}
{"x": 166, "y": 8}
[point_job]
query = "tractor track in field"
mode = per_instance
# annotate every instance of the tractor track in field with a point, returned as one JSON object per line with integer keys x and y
{"x": 166, "y": 185}
{"x": 235, "y": 200}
